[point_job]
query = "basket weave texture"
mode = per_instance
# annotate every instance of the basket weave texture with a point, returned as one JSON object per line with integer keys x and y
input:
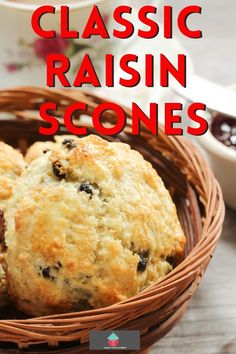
{"x": 198, "y": 199}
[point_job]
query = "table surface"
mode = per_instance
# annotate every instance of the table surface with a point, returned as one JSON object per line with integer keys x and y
{"x": 209, "y": 326}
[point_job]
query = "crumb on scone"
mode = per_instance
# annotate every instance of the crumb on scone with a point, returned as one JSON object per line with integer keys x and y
{"x": 89, "y": 224}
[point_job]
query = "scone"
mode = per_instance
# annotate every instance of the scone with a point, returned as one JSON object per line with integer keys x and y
{"x": 89, "y": 224}
{"x": 41, "y": 147}
{"x": 4, "y": 298}
{"x": 12, "y": 166}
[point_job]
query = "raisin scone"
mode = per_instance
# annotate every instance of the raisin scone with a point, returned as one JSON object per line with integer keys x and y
{"x": 12, "y": 166}
{"x": 90, "y": 224}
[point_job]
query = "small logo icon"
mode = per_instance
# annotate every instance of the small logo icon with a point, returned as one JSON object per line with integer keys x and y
{"x": 113, "y": 340}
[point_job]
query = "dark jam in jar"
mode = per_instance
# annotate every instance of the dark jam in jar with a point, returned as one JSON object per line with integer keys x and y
{"x": 224, "y": 129}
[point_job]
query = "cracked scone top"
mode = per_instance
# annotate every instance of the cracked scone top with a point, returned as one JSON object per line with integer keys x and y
{"x": 40, "y": 147}
{"x": 89, "y": 225}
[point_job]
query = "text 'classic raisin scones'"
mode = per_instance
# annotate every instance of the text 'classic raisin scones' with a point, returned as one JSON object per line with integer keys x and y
{"x": 89, "y": 225}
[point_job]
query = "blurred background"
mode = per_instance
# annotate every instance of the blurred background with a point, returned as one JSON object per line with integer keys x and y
{"x": 214, "y": 55}
{"x": 209, "y": 326}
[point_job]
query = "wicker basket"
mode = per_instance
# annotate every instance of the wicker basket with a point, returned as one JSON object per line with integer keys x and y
{"x": 200, "y": 206}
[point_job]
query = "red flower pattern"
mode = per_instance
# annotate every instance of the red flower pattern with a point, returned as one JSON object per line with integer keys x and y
{"x": 43, "y": 47}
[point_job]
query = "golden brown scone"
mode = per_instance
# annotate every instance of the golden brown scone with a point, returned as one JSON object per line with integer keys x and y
{"x": 89, "y": 225}
{"x": 4, "y": 298}
{"x": 12, "y": 166}
{"x": 40, "y": 147}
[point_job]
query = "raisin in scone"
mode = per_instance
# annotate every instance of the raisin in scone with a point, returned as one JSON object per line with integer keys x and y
{"x": 89, "y": 225}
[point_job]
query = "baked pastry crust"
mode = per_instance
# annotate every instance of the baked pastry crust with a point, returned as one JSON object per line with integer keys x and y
{"x": 4, "y": 298}
{"x": 12, "y": 166}
{"x": 89, "y": 224}
{"x": 39, "y": 148}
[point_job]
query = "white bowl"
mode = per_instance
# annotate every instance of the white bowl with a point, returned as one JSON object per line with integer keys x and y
{"x": 223, "y": 162}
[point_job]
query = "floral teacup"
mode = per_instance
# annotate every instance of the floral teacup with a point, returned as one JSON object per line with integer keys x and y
{"x": 23, "y": 53}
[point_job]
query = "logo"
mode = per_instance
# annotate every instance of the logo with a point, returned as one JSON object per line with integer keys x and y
{"x": 114, "y": 340}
